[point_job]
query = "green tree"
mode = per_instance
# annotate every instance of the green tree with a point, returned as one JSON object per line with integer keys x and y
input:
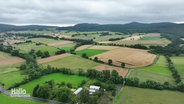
{"x": 109, "y": 61}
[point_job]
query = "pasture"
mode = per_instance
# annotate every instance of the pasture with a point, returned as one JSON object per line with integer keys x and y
{"x": 133, "y": 58}
{"x": 160, "y": 67}
{"x": 11, "y": 77}
{"x": 72, "y": 62}
{"x": 179, "y": 64}
{"x": 57, "y": 77}
{"x": 67, "y": 47}
{"x": 4, "y": 99}
{"x": 44, "y": 40}
{"x": 146, "y": 75}
{"x": 90, "y": 52}
{"x": 133, "y": 95}
{"x": 26, "y": 47}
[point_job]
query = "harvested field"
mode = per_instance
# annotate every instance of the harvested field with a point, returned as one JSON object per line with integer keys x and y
{"x": 52, "y": 58}
{"x": 11, "y": 60}
{"x": 133, "y": 58}
{"x": 121, "y": 71}
{"x": 82, "y": 47}
{"x": 145, "y": 42}
{"x": 60, "y": 43}
{"x": 104, "y": 47}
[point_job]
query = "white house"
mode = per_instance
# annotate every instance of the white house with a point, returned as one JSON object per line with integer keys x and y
{"x": 76, "y": 92}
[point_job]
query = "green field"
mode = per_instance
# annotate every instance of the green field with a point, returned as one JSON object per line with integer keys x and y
{"x": 12, "y": 100}
{"x": 159, "y": 67}
{"x": 179, "y": 64}
{"x": 133, "y": 95}
{"x": 44, "y": 40}
{"x": 73, "y": 62}
{"x": 26, "y": 47}
{"x": 4, "y": 55}
{"x": 67, "y": 47}
{"x": 10, "y": 78}
{"x": 57, "y": 77}
{"x": 90, "y": 52}
{"x": 145, "y": 75}
{"x": 9, "y": 68}
{"x": 150, "y": 38}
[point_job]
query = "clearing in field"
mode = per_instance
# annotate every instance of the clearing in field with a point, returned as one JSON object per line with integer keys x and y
{"x": 145, "y": 75}
{"x": 57, "y": 77}
{"x": 72, "y": 62}
{"x": 90, "y": 52}
{"x": 133, "y": 95}
{"x": 121, "y": 71}
{"x": 160, "y": 67}
{"x": 10, "y": 78}
{"x": 133, "y": 58}
{"x": 179, "y": 65}
{"x": 13, "y": 100}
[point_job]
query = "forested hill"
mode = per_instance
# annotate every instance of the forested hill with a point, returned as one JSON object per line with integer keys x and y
{"x": 5, "y": 27}
{"x": 165, "y": 27}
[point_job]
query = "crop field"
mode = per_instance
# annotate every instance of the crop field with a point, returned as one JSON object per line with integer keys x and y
{"x": 159, "y": 67}
{"x": 57, "y": 77}
{"x": 72, "y": 62}
{"x": 90, "y": 52}
{"x": 26, "y": 47}
{"x": 121, "y": 71}
{"x": 179, "y": 64}
{"x": 145, "y": 75}
{"x": 10, "y": 78}
{"x": 133, "y": 95}
{"x": 133, "y": 58}
{"x": 13, "y": 100}
{"x": 67, "y": 47}
{"x": 83, "y": 47}
{"x": 44, "y": 40}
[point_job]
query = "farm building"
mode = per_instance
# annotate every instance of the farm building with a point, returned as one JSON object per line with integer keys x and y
{"x": 93, "y": 89}
{"x": 76, "y": 92}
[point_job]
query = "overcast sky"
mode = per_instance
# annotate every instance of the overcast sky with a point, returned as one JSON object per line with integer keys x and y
{"x": 57, "y": 12}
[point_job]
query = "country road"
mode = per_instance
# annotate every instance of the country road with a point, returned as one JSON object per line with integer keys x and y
{"x": 31, "y": 98}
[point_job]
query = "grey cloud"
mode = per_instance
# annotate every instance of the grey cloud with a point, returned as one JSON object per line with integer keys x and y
{"x": 96, "y": 11}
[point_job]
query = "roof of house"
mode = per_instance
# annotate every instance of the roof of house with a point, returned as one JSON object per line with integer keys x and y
{"x": 77, "y": 91}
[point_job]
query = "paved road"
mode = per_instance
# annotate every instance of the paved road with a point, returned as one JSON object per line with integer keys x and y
{"x": 30, "y": 98}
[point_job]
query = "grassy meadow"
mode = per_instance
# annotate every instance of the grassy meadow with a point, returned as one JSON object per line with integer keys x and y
{"x": 44, "y": 40}
{"x": 11, "y": 77}
{"x": 133, "y": 95}
{"x": 150, "y": 38}
{"x": 179, "y": 64}
{"x": 4, "y": 99}
{"x": 57, "y": 77}
{"x": 73, "y": 62}
{"x": 160, "y": 67}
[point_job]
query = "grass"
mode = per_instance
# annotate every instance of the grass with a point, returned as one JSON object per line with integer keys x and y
{"x": 9, "y": 68}
{"x": 26, "y": 47}
{"x": 45, "y": 40}
{"x": 145, "y": 75}
{"x": 150, "y": 38}
{"x": 73, "y": 62}
{"x": 4, "y": 55}
{"x": 10, "y": 78}
{"x": 4, "y": 99}
{"x": 67, "y": 47}
{"x": 90, "y": 52}
{"x": 159, "y": 67}
{"x": 57, "y": 77}
{"x": 133, "y": 95}
{"x": 179, "y": 64}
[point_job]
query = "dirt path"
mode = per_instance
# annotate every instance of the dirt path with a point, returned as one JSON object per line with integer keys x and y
{"x": 52, "y": 58}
